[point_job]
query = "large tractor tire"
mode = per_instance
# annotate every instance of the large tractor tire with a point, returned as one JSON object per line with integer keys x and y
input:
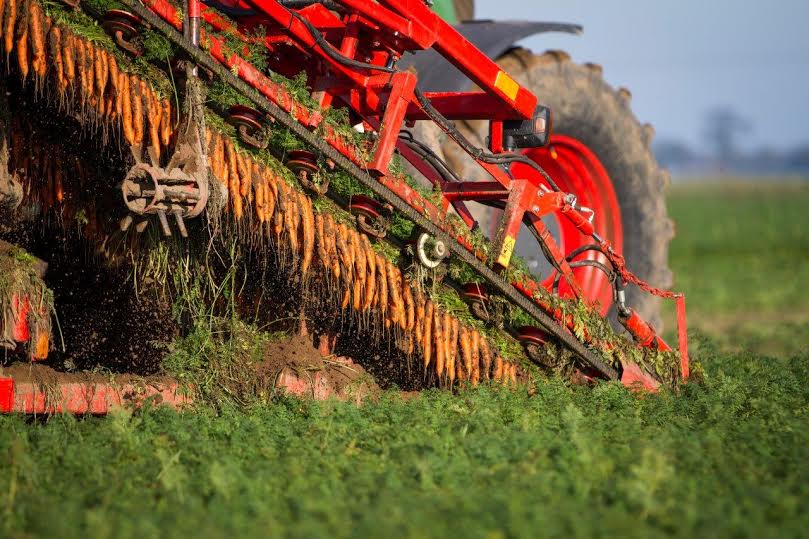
{"x": 588, "y": 110}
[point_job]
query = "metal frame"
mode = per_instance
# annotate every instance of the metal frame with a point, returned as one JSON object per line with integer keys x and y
{"x": 374, "y": 35}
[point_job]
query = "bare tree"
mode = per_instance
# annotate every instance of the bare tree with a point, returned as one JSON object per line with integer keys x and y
{"x": 723, "y": 125}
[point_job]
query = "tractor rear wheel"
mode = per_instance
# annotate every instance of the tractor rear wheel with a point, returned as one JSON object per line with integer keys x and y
{"x": 596, "y": 126}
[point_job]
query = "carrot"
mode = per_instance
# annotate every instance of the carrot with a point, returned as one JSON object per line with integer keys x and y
{"x": 278, "y": 222}
{"x": 394, "y": 291}
{"x": 513, "y": 373}
{"x": 270, "y": 197}
{"x": 498, "y": 368}
{"x": 126, "y": 109}
{"x": 137, "y": 108}
{"x": 475, "y": 374}
{"x": 243, "y": 164}
{"x": 438, "y": 340}
{"x": 233, "y": 179}
{"x": 329, "y": 229}
{"x": 81, "y": 69}
{"x": 21, "y": 35}
{"x": 89, "y": 67}
{"x": 346, "y": 299}
{"x": 427, "y": 337}
{"x": 100, "y": 71}
{"x": 409, "y": 306}
{"x": 114, "y": 77}
{"x": 308, "y": 219}
{"x": 370, "y": 261}
{"x": 260, "y": 201}
{"x": 453, "y": 340}
{"x": 290, "y": 222}
{"x": 68, "y": 57}
{"x": 215, "y": 155}
{"x": 10, "y": 22}
{"x": 165, "y": 123}
{"x": 344, "y": 251}
{"x": 359, "y": 260}
{"x": 320, "y": 239}
{"x": 153, "y": 114}
{"x": 486, "y": 359}
{"x": 42, "y": 346}
{"x": 466, "y": 351}
{"x": 37, "y": 35}
{"x": 382, "y": 284}
{"x": 447, "y": 325}
{"x": 55, "y": 50}
{"x": 295, "y": 216}
{"x": 419, "y": 322}
{"x": 57, "y": 181}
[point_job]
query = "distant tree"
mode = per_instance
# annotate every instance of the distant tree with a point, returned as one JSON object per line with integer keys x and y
{"x": 674, "y": 153}
{"x": 723, "y": 125}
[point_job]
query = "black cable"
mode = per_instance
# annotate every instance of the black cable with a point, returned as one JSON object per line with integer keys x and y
{"x": 583, "y": 249}
{"x": 583, "y": 263}
{"x": 478, "y": 153}
{"x": 333, "y": 53}
{"x": 300, "y": 4}
{"x": 428, "y": 155}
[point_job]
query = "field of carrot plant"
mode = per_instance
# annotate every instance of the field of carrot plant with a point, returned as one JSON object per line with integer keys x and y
{"x": 725, "y": 458}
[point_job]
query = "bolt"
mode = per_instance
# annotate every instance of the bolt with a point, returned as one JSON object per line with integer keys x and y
{"x": 535, "y": 209}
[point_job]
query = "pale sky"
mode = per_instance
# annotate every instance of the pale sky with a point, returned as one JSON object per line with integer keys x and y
{"x": 682, "y": 57}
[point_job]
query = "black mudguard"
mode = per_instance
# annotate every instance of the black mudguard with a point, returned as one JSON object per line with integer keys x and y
{"x": 494, "y": 38}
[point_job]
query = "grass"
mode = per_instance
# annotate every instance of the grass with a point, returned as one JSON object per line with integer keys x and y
{"x": 741, "y": 254}
{"x": 726, "y": 458}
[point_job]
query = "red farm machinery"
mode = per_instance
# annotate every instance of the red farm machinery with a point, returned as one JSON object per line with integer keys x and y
{"x": 472, "y": 211}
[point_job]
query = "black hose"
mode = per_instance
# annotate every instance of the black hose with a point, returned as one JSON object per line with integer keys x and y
{"x": 333, "y": 53}
{"x": 478, "y": 153}
{"x": 583, "y": 263}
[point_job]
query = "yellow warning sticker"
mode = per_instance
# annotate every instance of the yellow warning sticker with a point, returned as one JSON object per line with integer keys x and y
{"x": 506, "y": 252}
{"x": 507, "y": 85}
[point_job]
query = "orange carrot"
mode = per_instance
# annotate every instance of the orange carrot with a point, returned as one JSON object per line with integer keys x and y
{"x": 137, "y": 108}
{"x": 165, "y": 123}
{"x": 410, "y": 306}
{"x": 114, "y": 78}
{"x": 37, "y": 35}
{"x": 270, "y": 196}
{"x": 55, "y": 50}
{"x": 485, "y": 359}
{"x": 394, "y": 291}
{"x": 308, "y": 219}
{"x": 370, "y": 261}
{"x": 42, "y": 346}
{"x": 153, "y": 111}
{"x": 427, "y": 337}
{"x": 438, "y": 343}
{"x": 360, "y": 267}
{"x": 243, "y": 164}
{"x": 320, "y": 240}
{"x": 89, "y": 67}
{"x": 2, "y": 14}
{"x": 126, "y": 109}
{"x": 466, "y": 351}
{"x": 419, "y": 322}
{"x": 69, "y": 57}
{"x": 233, "y": 179}
{"x": 21, "y": 35}
{"x": 475, "y": 376}
{"x": 10, "y": 22}
{"x": 498, "y": 368}
{"x": 331, "y": 245}
{"x": 453, "y": 340}
{"x": 382, "y": 284}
